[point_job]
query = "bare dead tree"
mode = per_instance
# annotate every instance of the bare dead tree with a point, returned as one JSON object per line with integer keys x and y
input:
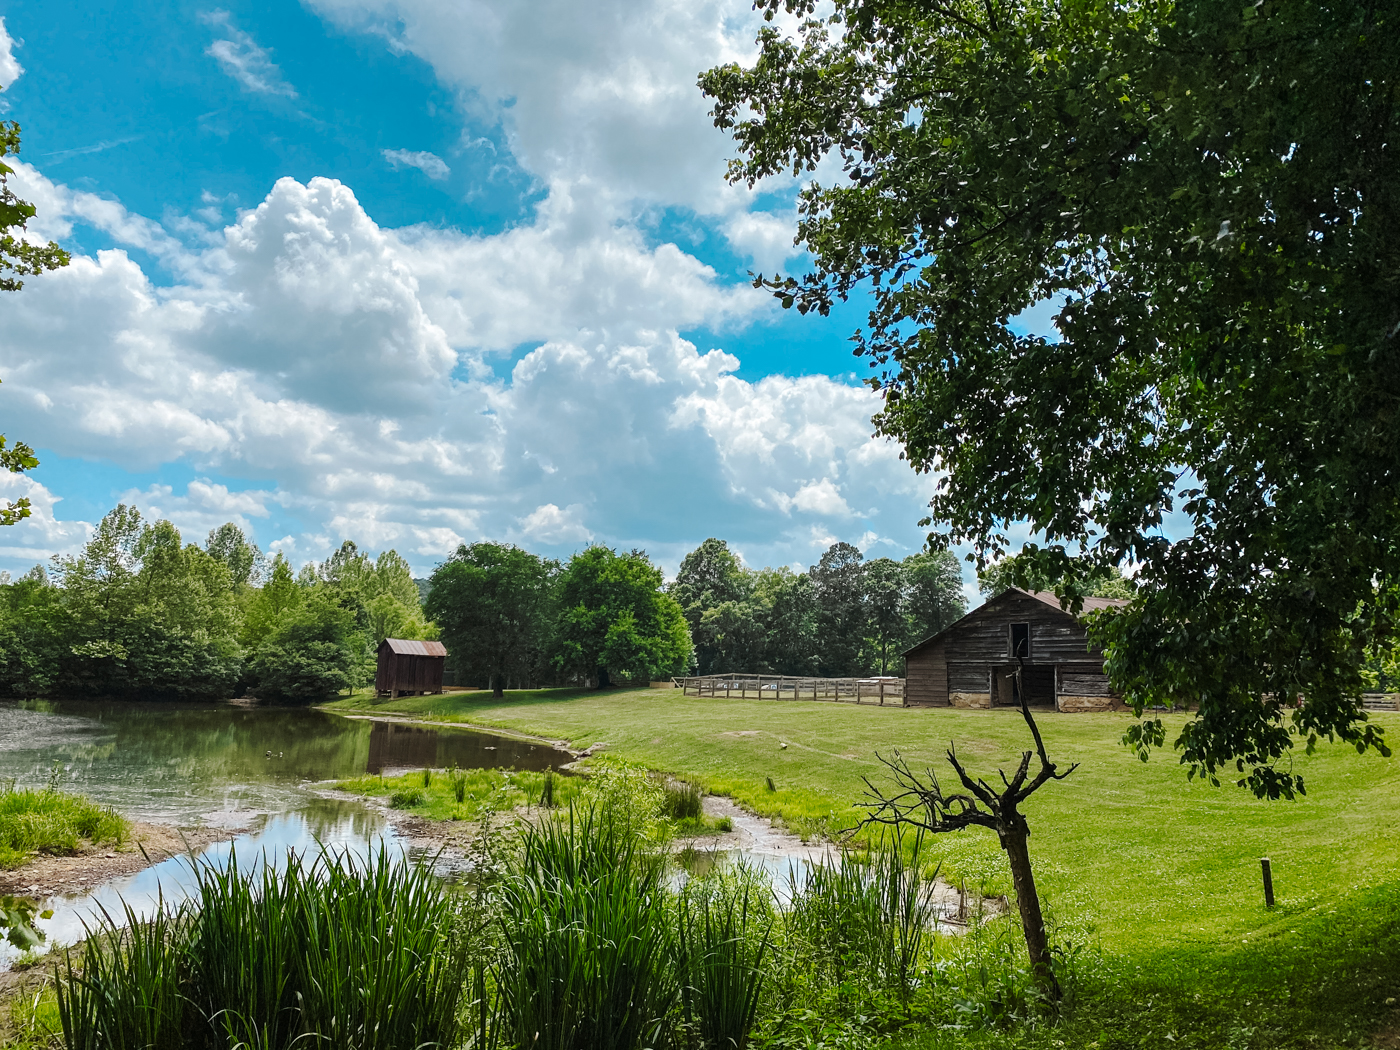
{"x": 922, "y": 803}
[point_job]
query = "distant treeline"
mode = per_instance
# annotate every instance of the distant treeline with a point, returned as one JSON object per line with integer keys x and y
{"x": 141, "y": 614}
{"x": 511, "y": 618}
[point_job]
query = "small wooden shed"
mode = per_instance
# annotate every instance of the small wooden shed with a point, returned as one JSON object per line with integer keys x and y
{"x": 973, "y": 662}
{"x": 408, "y": 667}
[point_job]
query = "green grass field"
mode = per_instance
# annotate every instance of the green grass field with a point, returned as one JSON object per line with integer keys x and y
{"x": 1159, "y": 874}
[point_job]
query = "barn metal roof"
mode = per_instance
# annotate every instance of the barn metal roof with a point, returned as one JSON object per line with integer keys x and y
{"x": 412, "y": 647}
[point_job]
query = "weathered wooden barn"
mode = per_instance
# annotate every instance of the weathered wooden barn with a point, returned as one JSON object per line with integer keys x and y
{"x": 972, "y": 663}
{"x": 407, "y": 667}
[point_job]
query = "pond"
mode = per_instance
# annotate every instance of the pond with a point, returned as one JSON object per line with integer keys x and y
{"x": 227, "y": 766}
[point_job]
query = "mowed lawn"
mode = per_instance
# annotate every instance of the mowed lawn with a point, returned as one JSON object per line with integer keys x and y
{"x": 1131, "y": 850}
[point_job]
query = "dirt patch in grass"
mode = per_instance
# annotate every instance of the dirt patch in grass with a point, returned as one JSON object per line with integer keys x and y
{"x": 90, "y": 866}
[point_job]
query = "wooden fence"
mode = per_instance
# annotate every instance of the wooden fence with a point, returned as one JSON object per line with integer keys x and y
{"x": 783, "y": 687}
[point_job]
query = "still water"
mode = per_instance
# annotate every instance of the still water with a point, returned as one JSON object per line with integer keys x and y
{"x": 227, "y": 766}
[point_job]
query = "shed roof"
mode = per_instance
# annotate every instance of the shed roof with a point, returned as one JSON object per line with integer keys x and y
{"x": 1048, "y": 597}
{"x": 413, "y": 647}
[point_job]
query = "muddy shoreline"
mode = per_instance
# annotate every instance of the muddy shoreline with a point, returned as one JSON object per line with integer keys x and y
{"x": 67, "y": 875}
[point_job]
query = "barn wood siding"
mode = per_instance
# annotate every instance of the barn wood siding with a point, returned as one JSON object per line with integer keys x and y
{"x": 968, "y": 677}
{"x": 1085, "y": 685}
{"x": 926, "y": 677}
{"x": 975, "y": 661}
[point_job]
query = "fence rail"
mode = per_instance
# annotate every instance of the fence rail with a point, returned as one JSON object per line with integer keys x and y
{"x": 880, "y": 691}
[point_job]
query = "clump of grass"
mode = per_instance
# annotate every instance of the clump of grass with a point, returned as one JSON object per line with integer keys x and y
{"x": 335, "y": 952}
{"x": 724, "y": 824}
{"x": 724, "y": 928}
{"x": 682, "y": 801}
{"x": 427, "y": 777}
{"x": 52, "y": 821}
{"x": 768, "y": 783}
{"x": 586, "y": 955}
{"x": 874, "y": 913}
{"x": 464, "y": 794}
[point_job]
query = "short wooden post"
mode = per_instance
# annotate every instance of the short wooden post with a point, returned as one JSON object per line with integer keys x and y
{"x": 1268, "y": 882}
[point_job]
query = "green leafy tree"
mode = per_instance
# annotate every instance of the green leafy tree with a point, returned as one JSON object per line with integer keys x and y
{"x": 22, "y": 258}
{"x": 839, "y": 597}
{"x": 495, "y": 605}
{"x": 790, "y": 621}
{"x": 711, "y": 577}
{"x": 145, "y": 615}
{"x": 935, "y": 595}
{"x": 887, "y": 611}
{"x": 1206, "y": 196}
{"x": 736, "y": 638}
{"x": 245, "y": 562}
{"x": 616, "y": 621}
{"x": 33, "y": 626}
{"x": 279, "y": 595}
{"x": 310, "y": 654}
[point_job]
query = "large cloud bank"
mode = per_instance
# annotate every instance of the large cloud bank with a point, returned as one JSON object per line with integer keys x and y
{"x": 358, "y": 372}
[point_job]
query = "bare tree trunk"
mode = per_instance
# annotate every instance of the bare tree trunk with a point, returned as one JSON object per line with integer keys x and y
{"x": 1018, "y": 857}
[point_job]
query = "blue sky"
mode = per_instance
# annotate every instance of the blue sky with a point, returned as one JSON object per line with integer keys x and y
{"x": 419, "y": 272}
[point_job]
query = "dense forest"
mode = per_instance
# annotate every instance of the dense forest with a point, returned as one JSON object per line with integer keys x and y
{"x": 142, "y": 614}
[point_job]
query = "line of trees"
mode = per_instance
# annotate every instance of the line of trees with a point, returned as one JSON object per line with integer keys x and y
{"x": 512, "y": 618}
{"x": 844, "y": 616}
{"x": 140, "y": 614}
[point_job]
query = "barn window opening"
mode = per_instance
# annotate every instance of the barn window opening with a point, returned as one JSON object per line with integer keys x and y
{"x": 1021, "y": 640}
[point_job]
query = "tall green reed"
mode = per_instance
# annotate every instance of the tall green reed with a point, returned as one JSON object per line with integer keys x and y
{"x": 874, "y": 912}
{"x": 361, "y": 954}
{"x": 586, "y": 954}
{"x": 682, "y": 801}
{"x": 724, "y": 929}
{"x": 127, "y": 990}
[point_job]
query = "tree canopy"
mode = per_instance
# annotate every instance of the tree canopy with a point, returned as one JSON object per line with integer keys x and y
{"x": 1205, "y": 196}
{"x": 615, "y": 620}
{"x": 843, "y": 616}
{"x": 495, "y": 606}
{"x": 24, "y": 258}
{"x": 140, "y": 614}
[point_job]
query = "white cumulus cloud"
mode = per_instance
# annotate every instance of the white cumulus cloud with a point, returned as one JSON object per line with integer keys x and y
{"x": 10, "y": 69}
{"x": 419, "y": 388}
{"x": 549, "y": 524}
